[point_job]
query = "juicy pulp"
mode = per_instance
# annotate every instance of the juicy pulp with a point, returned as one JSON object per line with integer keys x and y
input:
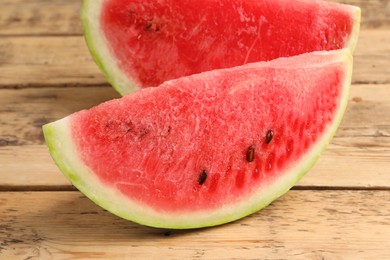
{"x": 196, "y": 151}
{"x": 142, "y": 43}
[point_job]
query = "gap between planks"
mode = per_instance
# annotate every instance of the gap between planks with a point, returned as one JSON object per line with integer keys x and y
{"x": 44, "y": 85}
{"x": 10, "y": 35}
{"x": 70, "y": 188}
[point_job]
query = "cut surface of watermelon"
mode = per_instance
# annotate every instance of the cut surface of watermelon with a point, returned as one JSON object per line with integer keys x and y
{"x": 209, "y": 148}
{"x": 142, "y": 43}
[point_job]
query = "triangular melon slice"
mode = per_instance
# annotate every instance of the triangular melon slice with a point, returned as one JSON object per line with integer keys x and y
{"x": 209, "y": 148}
{"x": 142, "y": 43}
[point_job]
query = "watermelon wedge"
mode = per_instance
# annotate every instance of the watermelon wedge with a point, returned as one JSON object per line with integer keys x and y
{"x": 142, "y": 43}
{"x": 209, "y": 148}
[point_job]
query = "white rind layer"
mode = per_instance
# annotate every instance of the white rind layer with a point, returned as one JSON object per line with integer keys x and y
{"x": 356, "y": 13}
{"x": 100, "y": 50}
{"x": 66, "y": 155}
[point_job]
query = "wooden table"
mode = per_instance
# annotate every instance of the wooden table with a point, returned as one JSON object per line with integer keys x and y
{"x": 340, "y": 210}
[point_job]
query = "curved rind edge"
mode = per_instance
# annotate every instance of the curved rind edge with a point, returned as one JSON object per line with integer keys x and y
{"x": 356, "y": 12}
{"x": 122, "y": 83}
{"x": 99, "y": 49}
{"x": 65, "y": 154}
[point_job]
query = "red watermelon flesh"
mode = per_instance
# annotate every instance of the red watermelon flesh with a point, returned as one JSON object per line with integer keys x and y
{"x": 142, "y": 43}
{"x": 208, "y": 148}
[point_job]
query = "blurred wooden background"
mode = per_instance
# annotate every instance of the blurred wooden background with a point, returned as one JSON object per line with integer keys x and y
{"x": 340, "y": 210}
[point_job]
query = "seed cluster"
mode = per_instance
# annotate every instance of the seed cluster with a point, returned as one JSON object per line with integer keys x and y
{"x": 250, "y": 156}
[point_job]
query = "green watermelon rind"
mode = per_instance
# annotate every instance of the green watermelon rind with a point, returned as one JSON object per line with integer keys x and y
{"x": 105, "y": 60}
{"x": 65, "y": 154}
{"x": 99, "y": 48}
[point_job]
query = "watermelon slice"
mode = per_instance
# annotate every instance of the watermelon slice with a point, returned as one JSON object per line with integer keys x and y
{"x": 142, "y": 43}
{"x": 209, "y": 148}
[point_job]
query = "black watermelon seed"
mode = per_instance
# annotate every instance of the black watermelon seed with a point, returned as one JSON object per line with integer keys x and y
{"x": 148, "y": 26}
{"x": 268, "y": 137}
{"x": 250, "y": 154}
{"x": 202, "y": 177}
{"x": 152, "y": 26}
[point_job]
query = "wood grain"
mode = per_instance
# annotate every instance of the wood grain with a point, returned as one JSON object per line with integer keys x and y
{"x": 47, "y": 61}
{"x": 339, "y": 210}
{"x": 300, "y": 225}
{"x": 61, "y": 17}
{"x": 371, "y": 57}
{"x": 375, "y": 13}
{"x": 43, "y": 61}
{"x": 40, "y": 17}
{"x": 30, "y": 167}
{"x": 22, "y": 124}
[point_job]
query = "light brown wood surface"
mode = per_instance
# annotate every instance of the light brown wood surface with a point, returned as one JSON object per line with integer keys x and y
{"x": 339, "y": 210}
{"x": 40, "y": 17}
{"x": 301, "y": 225}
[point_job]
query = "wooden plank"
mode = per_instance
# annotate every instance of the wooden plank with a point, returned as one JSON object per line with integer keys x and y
{"x": 300, "y": 225}
{"x": 372, "y": 57}
{"x": 43, "y": 61}
{"x": 22, "y": 124}
{"x": 40, "y": 17}
{"x": 29, "y": 167}
{"x": 375, "y": 13}
{"x": 358, "y": 156}
{"x": 61, "y": 17}
{"x": 352, "y": 163}
{"x": 366, "y": 115}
